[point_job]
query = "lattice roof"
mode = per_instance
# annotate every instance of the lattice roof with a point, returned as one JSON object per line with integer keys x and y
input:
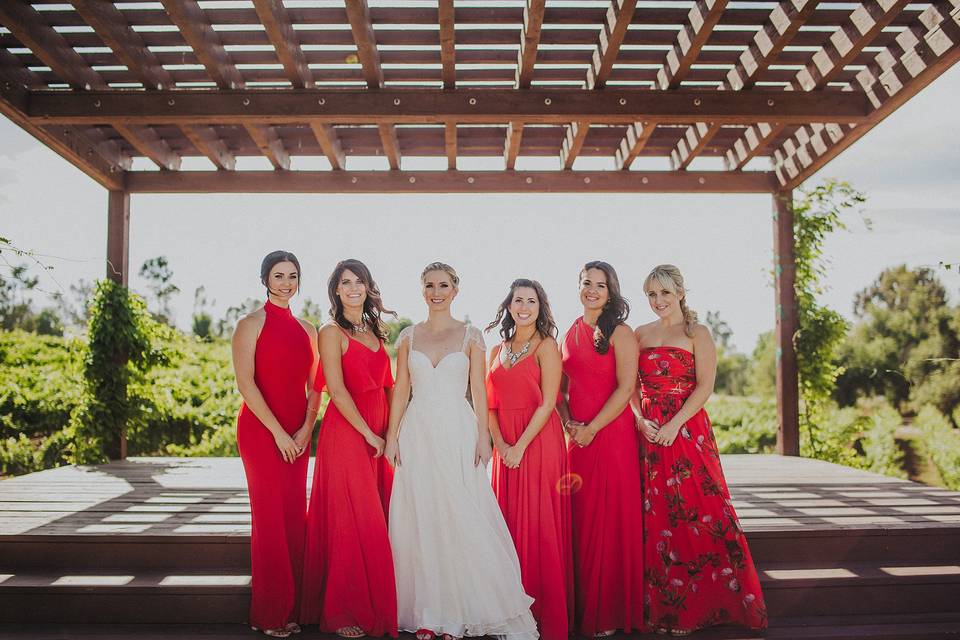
{"x": 671, "y": 83}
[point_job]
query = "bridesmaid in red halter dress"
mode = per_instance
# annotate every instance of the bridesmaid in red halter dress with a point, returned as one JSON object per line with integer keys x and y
{"x": 599, "y": 353}
{"x": 699, "y": 569}
{"x": 530, "y": 458}
{"x": 349, "y": 586}
{"x": 275, "y": 357}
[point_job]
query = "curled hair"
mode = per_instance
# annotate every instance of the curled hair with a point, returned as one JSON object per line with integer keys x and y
{"x": 546, "y": 327}
{"x": 615, "y": 311}
{"x": 441, "y": 266}
{"x": 669, "y": 277}
{"x": 372, "y": 306}
{"x": 274, "y": 258}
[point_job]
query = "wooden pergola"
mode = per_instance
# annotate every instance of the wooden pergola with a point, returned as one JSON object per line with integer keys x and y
{"x": 642, "y": 84}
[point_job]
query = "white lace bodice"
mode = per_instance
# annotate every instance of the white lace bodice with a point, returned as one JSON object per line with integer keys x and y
{"x": 448, "y": 380}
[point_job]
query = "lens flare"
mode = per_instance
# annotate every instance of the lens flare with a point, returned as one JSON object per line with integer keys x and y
{"x": 352, "y": 59}
{"x": 569, "y": 484}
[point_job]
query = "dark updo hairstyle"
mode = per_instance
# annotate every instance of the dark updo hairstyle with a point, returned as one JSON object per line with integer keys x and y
{"x": 546, "y": 327}
{"x": 271, "y": 260}
{"x": 614, "y": 313}
{"x": 372, "y": 306}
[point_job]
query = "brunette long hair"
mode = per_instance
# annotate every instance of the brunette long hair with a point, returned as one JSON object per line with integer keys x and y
{"x": 615, "y": 312}
{"x": 546, "y": 327}
{"x": 372, "y": 306}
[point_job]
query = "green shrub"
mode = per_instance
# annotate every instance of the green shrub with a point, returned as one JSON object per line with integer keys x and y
{"x": 880, "y": 449}
{"x": 941, "y": 444}
{"x": 743, "y": 425}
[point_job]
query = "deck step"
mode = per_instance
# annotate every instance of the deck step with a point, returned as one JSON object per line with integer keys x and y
{"x": 839, "y": 545}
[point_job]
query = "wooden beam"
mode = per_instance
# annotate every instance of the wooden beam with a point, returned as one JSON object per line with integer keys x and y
{"x": 888, "y": 84}
{"x": 330, "y": 143}
{"x": 29, "y": 27}
{"x": 196, "y": 30}
{"x": 788, "y": 392}
{"x": 149, "y": 144}
{"x": 448, "y": 50}
{"x": 391, "y": 146}
{"x": 700, "y": 22}
{"x": 448, "y": 182}
{"x": 573, "y": 143}
{"x": 483, "y": 106}
{"x": 754, "y": 140}
{"x": 776, "y": 33}
{"x": 360, "y": 24}
{"x": 207, "y": 142}
{"x": 110, "y": 24}
{"x": 858, "y": 31}
{"x": 118, "y": 236}
{"x": 511, "y": 147}
{"x": 633, "y": 142}
{"x": 692, "y": 144}
{"x": 284, "y": 38}
{"x": 618, "y": 17}
{"x": 270, "y": 145}
{"x": 533, "y": 11}
{"x": 450, "y": 142}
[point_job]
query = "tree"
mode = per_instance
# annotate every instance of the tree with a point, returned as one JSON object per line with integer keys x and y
{"x": 224, "y": 326}
{"x": 731, "y": 366}
{"x": 202, "y": 320}
{"x": 16, "y": 306}
{"x": 159, "y": 276}
{"x": 74, "y": 309}
{"x": 762, "y": 374}
{"x": 906, "y": 345}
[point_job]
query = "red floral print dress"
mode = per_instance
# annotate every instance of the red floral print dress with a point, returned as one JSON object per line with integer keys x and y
{"x": 698, "y": 569}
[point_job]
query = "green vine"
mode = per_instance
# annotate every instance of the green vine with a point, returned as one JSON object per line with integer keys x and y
{"x": 817, "y": 214}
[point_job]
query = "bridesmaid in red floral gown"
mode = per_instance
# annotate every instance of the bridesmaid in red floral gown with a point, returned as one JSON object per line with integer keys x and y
{"x": 274, "y": 356}
{"x": 599, "y": 356}
{"x": 349, "y": 586}
{"x": 530, "y": 458}
{"x": 698, "y": 568}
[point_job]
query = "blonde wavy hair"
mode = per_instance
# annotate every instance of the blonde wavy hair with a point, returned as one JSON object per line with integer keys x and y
{"x": 442, "y": 266}
{"x": 670, "y": 278}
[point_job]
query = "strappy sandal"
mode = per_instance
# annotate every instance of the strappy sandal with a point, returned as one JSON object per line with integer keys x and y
{"x": 425, "y": 634}
{"x": 350, "y": 632}
{"x": 447, "y": 636}
{"x": 605, "y": 634}
{"x": 293, "y": 627}
{"x": 282, "y": 632}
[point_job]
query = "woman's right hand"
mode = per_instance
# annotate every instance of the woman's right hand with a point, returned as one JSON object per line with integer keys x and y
{"x": 392, "y": 452}
{"x": 289, "y": 450}
{"x": 376, "y": 442}
{"x": 648, "y": 428}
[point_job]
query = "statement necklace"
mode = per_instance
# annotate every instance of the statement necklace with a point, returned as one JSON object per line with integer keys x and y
{"x": 358, "y": 328}
{"x": 513, "y": 357}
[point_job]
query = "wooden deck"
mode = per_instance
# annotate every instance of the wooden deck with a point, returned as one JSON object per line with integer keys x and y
{"x": 198, "y": 496}
{"x": 112, "y": 550}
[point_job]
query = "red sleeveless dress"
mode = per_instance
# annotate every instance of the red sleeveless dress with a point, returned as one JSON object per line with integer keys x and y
{"x": 607, "y": 521}
{"x": 699, "y": 569}
{"x": 534, "y": 506}
{"x": 278, "y": 489}
{"x": 348, "y": 571}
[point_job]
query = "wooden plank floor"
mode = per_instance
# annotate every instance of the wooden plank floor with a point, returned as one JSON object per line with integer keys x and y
{"x": 198, "y": 496}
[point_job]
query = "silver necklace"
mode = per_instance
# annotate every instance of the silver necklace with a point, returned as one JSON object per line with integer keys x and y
{"x": 514, "y": 357}
{"x": 358, "y": 328}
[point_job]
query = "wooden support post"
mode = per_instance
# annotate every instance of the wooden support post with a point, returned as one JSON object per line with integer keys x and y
{"x": 118, "y": 256}
{"x": 118, "y": 237}
{"x": 784, "y": 269}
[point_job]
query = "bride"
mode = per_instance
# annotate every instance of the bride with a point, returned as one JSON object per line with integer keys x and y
{"x": 456, "y": 567}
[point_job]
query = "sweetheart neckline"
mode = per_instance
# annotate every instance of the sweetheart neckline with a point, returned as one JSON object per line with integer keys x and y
{"x": 440, "y": 361}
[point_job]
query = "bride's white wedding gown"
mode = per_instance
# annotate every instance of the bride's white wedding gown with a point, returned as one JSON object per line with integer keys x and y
{"x": 456, "y": 564}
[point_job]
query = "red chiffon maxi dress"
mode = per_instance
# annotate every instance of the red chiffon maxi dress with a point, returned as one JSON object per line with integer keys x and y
{"x": 277, "y": 489}
{"x": 606, "y": 495}
{"x": 533, "y": 499}
{"x": 348, "y": 571}
{"x": 699, "y": 569}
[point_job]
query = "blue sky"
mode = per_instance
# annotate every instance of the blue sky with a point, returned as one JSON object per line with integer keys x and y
{"x": 908, "y": 166}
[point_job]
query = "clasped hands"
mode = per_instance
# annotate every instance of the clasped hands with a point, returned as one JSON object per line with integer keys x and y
{"x": 655, "y": 433}
{"x": 581, "y": 433}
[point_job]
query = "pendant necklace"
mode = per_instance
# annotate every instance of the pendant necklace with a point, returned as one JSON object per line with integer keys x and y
{"x": 514, "y": 357}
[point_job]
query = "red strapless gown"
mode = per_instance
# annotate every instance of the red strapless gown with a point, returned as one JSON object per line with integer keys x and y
{"x": 607, "y": 521}
{"x": 348, "y": 571}
{"x": 532, "y": 497}
{"x": 699, "y": 569}
{"x": 278, "y": 489}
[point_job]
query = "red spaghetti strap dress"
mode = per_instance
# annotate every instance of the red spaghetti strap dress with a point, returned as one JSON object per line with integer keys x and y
{"x": 699, "y": 569}
{"x": 278, "y": 489}
{"x": 607, "y": 520}
{"x": 348, "y": 571}
{"x": 533, "y": 497}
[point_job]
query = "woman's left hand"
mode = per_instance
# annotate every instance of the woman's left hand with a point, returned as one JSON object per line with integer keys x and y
{"x": 302, "y": 438}
{"x": 583, "y": 436}
{"x": 484, "y": 451}
{"x": 666, "y": 435}
{"x": 513, "y": 456}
